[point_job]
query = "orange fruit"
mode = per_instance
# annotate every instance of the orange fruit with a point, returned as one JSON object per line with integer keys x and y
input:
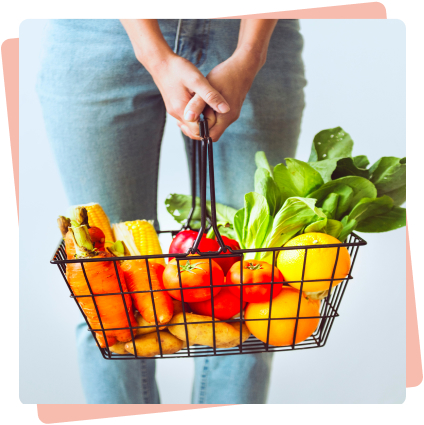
{"x": 319, "y": 262}
{"x": 283, "y": 305}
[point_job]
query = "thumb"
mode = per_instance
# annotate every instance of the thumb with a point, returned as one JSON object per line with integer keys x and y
{"x": 211, "y": 96}
{"x": 194, "y": 108}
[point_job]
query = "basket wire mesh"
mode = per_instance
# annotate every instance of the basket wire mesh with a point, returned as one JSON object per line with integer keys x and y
{"x": 202, "y": 154}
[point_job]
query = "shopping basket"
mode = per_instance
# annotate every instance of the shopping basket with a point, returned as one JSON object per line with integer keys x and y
{"x": 202, "y": 158}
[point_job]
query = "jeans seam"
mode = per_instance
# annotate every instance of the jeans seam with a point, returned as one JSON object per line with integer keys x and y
{"x": 157, "y": 165}
{"x": 203, "y": 382}
{"x": 144, "y": 383}
{"x": 205, "y": 44}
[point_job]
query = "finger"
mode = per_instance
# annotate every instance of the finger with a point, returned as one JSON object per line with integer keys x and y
{"x": 211, "y": 96}
{"x": 185, "y": 129}
{"x": 217, "y": 132}
{"x": 194, "y": 108}
{"x": 193, "y": 127}
{"x": 210, "y": 116}
{"x": 219, "y": 128}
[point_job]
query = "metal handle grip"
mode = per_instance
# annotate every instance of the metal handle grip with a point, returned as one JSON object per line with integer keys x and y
{"x": 205, "y": 163}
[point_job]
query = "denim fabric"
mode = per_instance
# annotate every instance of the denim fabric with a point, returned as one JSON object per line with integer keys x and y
{"x": 105, "y": 117}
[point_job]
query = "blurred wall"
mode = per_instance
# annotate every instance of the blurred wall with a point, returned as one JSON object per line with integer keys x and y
{"x": 356, "y": 80}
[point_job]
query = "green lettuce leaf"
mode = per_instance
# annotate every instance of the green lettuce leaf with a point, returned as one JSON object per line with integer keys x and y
{"x": 348, "y": 227}
{"x": 329, "y": 206}
{"x": 391, "y": 220}
{"x": 265, "y": 186}
{"x": 331, "y": 143}
{"x": 261, "y": 161}
{"x": 389, "y": 177}
{"x": 179, "y": 206}
{"x": 296, "y": 179}
{"x": 361, "y": 161}
{"x": 368, "y": 207}
{"x": 347, "y": 167}
{"x": 238, "y": 227}
{"x": 361, "y": 188}
{"x": 256, "y": 219}
{"x": 295, "y": 214}
{"x": 325, "y": 168}
{"x": 334, "y": 228}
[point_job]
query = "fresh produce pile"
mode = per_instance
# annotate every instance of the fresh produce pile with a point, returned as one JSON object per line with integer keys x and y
{"x": 295, "y": 204}
{"x": 84, "y": 235}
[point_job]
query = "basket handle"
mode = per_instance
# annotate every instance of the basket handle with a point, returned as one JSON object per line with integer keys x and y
{"x": 205, "y": 162}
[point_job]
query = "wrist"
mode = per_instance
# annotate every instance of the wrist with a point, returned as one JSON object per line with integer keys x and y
{"x": 251, "y": 56}
{"x": 153, "y": 56}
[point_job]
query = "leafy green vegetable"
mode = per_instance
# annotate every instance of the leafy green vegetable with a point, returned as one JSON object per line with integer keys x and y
{"x": 348, "y": 227}
{"x": 325, "y": 168}
{"x": 333, "y": 193}
{"x": 239, "y": 227}
{"x": 389, "y": 177}
{"x": 256, "y": 219}
{"x": 345, "y": 193}
{"x": 296, "y": 179}
{"x": 368, "y": 207}
{"x": 295, "y": 214}
{"x": 179, "y": 206}
{"x": 347, "y": 167}
{"x": 329, "y": 206}
{"x": 265, "y": 186}
{"x": 261, "y": 161}
{"x": 361, "y": 161}
{"x": 392, "y": 220}
{"x": 362, "y": 188}
{"x": 331, "y": 143}
{"x": 334, "y": 228}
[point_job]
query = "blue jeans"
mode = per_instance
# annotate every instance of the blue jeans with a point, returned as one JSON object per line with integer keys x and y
{"x": 104, "y": 117}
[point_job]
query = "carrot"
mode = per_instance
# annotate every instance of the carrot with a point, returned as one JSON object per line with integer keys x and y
{"x": 103, "y": 280}
{"x": 160, "y": 268}
{"x": 137, "y": 279}
{"x": 135, "y": 272}
{"x": 64, "y": 223}
{"x": 97, "y": 236}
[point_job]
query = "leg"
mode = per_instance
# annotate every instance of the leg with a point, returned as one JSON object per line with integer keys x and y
{"x": 104, "y": 117}
{"x": 114, "y": 381}
{"x": 269, "y": 121}
{"x": 239, "y": 379}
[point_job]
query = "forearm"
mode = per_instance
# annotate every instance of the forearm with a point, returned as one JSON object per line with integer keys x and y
{"x": 149, "y": 45}
{"x": 254, "y": 37}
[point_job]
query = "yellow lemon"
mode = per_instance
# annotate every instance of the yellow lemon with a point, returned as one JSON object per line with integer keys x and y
{"x": 320, "y": 262}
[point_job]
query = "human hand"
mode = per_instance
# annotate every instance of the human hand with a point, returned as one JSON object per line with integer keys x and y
{"x": 179, "y": 81}
{"x": 233, "y": 79}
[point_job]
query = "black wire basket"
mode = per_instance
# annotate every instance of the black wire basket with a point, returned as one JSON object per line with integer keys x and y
{"x": 202, "y": 154}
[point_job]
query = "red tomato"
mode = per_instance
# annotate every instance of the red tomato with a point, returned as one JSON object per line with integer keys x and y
{"x": 227, "y": 262}
{"x": 98, "y": 238}
{"x": 194, "y": 272}
{"x": 185, "y": 240}
{"x": 254, "y": 271}
{"x": 225, "y": 305}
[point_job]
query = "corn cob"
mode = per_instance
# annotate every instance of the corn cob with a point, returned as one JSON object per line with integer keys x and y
{"x": 97, "y": 218}
{"x": 145, "y": 238}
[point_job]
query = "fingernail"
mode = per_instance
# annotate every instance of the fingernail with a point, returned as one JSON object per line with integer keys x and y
{"x": 223, "y": 108}
{"x": 190, "y": 116}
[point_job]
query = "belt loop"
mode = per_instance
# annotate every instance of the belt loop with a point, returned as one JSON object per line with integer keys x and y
{"x": 177, "y": 37}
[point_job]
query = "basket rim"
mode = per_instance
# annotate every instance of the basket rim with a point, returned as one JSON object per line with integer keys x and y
{"x": 231, "y": 253}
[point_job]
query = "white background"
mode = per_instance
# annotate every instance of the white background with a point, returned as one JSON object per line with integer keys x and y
{"x": 9, "y": 29}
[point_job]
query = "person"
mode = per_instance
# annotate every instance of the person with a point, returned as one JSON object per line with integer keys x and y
{"x": 105, "y": 87}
